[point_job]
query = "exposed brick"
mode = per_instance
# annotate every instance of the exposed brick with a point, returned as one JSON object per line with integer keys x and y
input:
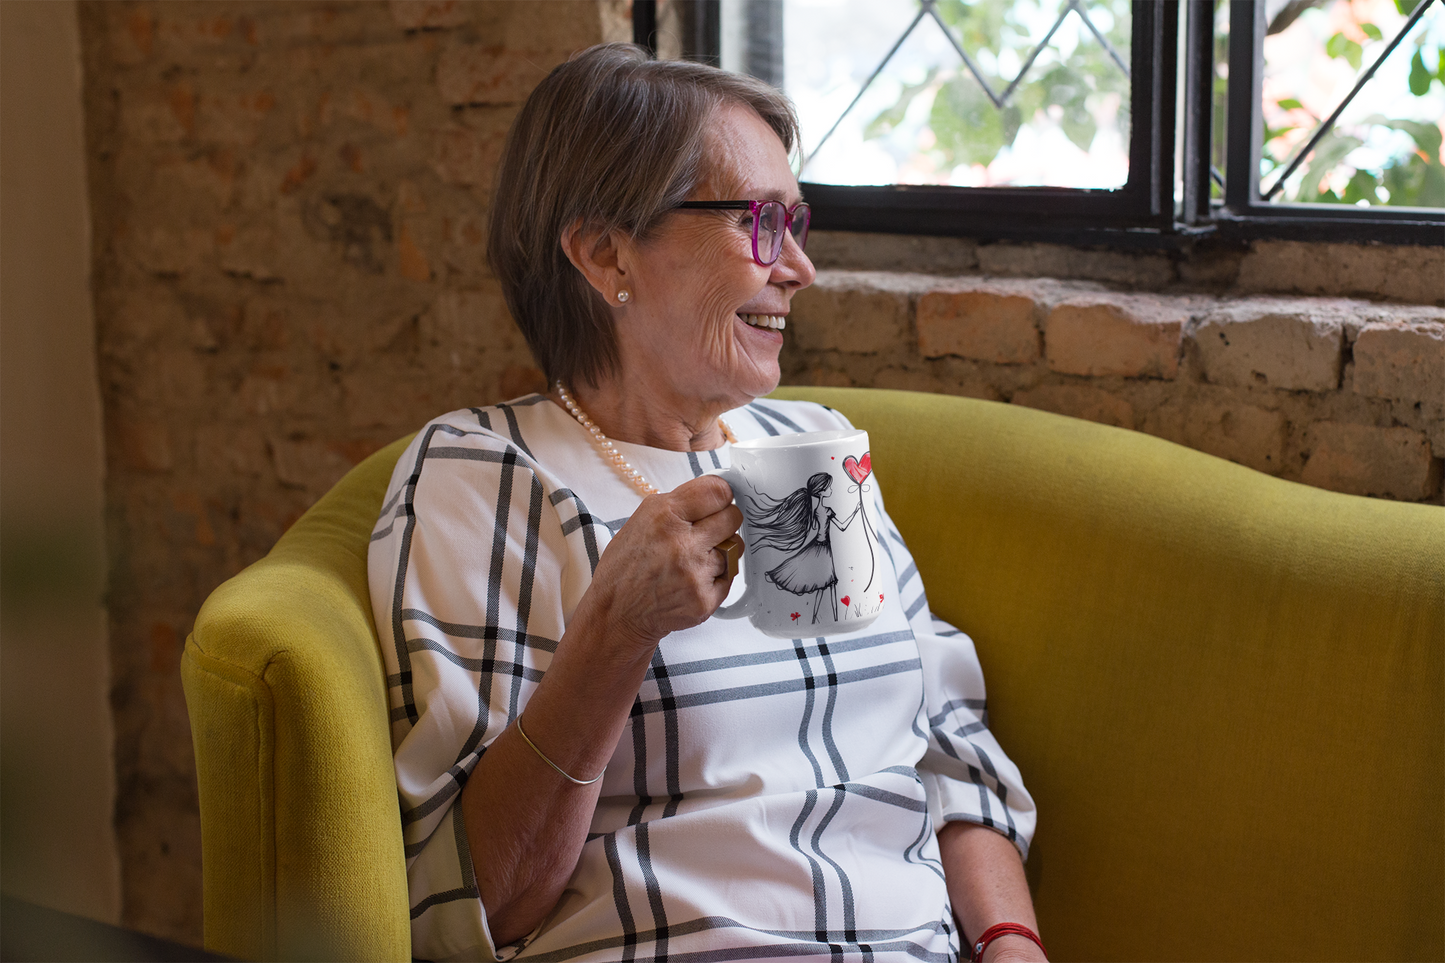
{"x": 1401, "y": 361}
{"x": 1078, "y": 401}
{"x": 467, "y": 157}
{"x": 558, "y": 28}
{"x": 517, "y": 380}
{"x": 230, "y": 451}
{"x": 984, "y": 325}
{"x": 157, "y": 115}
{"x": 410, "y": 257}
{"x": 269, "y": 389}
{"x": 1144, "y": 271}
{"x": 1411, "y": 274}
{"x": 252, "y": 251}
{"x": 1243, "y": 433}
{"x": 474, "y": 74}
{"x": 1291, "y": 345}
{"x": 167, "y": 250}
{"x": 1115, "y": 334}
{"x": 428, "y": 14}
{"x": 307, "y": 463}
{"x": 1365, "y": 460}
{"x": 853, "y": 250}
{"x": 470, "y": 320}
{"x": 852, "y": 311}
{"x": 233, "y": 118}
{"x": 143, "y": 444}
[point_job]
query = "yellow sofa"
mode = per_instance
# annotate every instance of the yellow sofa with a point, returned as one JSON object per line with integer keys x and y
{"x": 1226, "y": 692}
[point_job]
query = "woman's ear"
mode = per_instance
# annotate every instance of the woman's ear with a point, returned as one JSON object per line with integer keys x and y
{"x": 597, "y": 255}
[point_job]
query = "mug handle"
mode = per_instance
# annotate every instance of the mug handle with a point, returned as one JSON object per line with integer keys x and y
{"x": 744, "y": 606}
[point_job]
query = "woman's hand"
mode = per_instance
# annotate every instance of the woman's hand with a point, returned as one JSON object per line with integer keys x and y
{"x": 660, "y": 573}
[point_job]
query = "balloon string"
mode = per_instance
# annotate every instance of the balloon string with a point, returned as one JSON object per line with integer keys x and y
{"x": 860, "y": 488}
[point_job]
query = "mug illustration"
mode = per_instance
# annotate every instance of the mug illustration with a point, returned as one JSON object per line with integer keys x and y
{"x": 801, "y": 525}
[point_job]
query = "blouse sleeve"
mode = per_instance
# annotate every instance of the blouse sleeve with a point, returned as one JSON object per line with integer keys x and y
{"x": 966, "y": 773}
{"x": 467, "y": 537}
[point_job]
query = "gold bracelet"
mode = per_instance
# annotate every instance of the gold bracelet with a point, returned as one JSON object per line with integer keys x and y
{"x": 543, "y": 756}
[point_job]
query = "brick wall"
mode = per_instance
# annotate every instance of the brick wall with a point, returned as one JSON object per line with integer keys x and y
{"x": 1343, "y": 393}
{"x": 289, "y": 202}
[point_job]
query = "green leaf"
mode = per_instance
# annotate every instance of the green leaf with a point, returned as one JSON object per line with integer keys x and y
{"x": 1362, "y": 188}
{"x": 968, "y": 128}
{"x": 1426, "y": 135}
{"x": 1328, "y": 154}
{"x": 1012, "y": 120}
{"x": 1406, "y": 7}
{"x": 1372, "y": 31}
{"x": 881, "y": 125}
{"x": 1419, "y": 77}
{"x": 1341, "y": 46}
{"x": 1405, "y": 180}
{"x": 1270, "y": 133}
{"x": 1432, "y": 187}
{"x": 1354, "y": 53}
{"x": 1289, "y": 103}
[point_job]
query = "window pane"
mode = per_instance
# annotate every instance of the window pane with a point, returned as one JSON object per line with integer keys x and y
{"x": 927, "y": 117}
{"x": 1219, "y": 99}
{"x": 1385, "y": 147}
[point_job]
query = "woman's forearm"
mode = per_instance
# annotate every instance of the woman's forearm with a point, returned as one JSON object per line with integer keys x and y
{"x": 986, "y": 885}
{"x": 526, "y": 824}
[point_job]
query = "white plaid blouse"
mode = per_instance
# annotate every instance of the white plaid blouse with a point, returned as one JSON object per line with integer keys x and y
{"x": 768, "y": 798}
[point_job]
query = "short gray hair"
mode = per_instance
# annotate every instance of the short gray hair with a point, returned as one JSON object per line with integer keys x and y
{"x": 614, "y": 139}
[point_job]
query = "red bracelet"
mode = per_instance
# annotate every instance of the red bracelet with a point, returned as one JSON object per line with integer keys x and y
{"x": 1003, "y": 929}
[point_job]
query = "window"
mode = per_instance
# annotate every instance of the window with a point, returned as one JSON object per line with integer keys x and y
{"x": 1277, "y": 183}
{"x": 1168, "y": 117}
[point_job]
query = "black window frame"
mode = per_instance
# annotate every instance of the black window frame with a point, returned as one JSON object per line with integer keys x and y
{"x": 1142, "y": 213}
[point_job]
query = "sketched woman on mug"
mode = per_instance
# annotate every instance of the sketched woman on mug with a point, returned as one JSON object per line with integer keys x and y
{"x": 802, "y": 525}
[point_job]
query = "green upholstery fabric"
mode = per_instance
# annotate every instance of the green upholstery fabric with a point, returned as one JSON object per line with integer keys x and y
{"x": 300, "y": 830}
{"x": 1224, "y": 690}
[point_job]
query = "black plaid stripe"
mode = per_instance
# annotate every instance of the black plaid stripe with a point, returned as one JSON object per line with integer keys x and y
{"x": 576, "y": 518}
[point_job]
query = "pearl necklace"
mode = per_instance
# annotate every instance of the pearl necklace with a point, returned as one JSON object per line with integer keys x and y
{"x": 609, "y": 450}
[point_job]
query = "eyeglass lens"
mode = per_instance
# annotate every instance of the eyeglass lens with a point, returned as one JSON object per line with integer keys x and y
{"x": 772, "y": 216}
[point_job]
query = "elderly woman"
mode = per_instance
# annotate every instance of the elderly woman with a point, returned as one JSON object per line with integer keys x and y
{"x": 589, "y": 765}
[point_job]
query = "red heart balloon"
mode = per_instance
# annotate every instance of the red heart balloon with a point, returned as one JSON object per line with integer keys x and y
{"x": 859, "y": 468}
{"x": 844, "y": 600}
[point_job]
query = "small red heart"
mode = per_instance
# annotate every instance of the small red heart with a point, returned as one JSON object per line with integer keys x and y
{"x": 859, "y": 468}
{"x": 880, "y": 596}
{"x": 795, "y": 616}
{"x": 844, "y": 600}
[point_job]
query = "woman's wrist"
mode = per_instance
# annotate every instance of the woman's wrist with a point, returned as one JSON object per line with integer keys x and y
{"x": 1007, "y": 941}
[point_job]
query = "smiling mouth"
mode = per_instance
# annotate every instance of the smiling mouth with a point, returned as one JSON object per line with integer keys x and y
{"x": 775, "y": 321}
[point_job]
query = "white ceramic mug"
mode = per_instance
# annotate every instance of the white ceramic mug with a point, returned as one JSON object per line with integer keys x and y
{"x": 813, "y": 565}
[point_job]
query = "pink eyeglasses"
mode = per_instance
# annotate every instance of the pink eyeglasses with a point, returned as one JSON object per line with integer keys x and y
{"x": 770, "y": 220}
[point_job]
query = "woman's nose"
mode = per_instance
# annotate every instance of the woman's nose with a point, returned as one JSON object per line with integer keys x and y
{"x": 793, "y": 268}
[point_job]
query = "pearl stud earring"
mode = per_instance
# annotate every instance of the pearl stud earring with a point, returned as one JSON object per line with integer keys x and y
{"x": 622, "y": 297}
